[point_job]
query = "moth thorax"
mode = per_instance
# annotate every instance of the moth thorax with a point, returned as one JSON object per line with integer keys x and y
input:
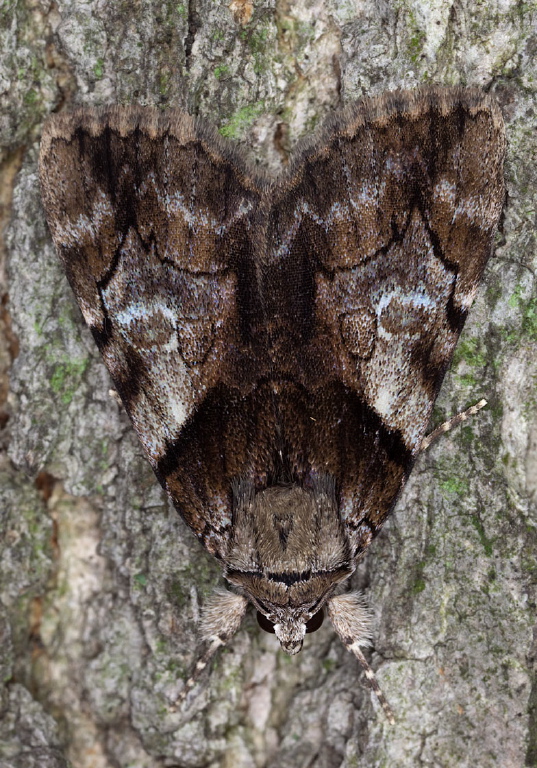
{"x": 288, "y": 554}
{"x": 287, "y": 531}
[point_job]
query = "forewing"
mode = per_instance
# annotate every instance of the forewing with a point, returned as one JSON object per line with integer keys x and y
{"x": 379, "y": 235}
{"x": 151, "y": 217}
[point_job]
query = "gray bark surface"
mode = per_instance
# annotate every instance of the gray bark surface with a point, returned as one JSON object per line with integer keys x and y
{"x": 101, "y": 582}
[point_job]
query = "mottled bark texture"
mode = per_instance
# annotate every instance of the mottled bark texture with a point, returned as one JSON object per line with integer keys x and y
{"x": 101, "y": 582}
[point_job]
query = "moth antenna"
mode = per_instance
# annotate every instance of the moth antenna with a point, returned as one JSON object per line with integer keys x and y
{"x": 351, "y": 619}
{"x": 221, "y": 617}
{"x": 453, "y": 422}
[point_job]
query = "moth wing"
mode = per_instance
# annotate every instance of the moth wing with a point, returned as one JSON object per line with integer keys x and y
{"x": 382, "y": 229}
{"x": 150, "y": 214}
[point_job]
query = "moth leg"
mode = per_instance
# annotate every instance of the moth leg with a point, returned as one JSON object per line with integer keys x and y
{"x": 453, "y": 422}
{"x": 221, "y": 617}
{"x": 352, "y": 622}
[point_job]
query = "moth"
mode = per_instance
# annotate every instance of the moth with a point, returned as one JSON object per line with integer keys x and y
{"x": 278, "y": 343}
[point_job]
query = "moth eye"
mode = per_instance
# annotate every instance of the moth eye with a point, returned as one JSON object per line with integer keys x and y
{"x": 315, "y": 622}
{"x": 265, "y": 623}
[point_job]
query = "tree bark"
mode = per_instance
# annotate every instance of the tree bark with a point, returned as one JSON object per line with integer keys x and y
{"x": 101, "y": 582}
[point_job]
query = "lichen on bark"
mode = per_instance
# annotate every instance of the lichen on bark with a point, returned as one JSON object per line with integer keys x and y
{"x": 101, "y": 583}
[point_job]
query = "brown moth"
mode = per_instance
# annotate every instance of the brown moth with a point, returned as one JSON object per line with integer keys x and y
{"x": 278, "y": 343}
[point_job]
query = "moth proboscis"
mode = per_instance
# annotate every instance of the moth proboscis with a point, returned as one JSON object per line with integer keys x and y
{"x": 279, "y": 343}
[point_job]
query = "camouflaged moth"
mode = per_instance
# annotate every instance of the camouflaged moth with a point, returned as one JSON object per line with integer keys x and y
{"x": 278, "y": 343}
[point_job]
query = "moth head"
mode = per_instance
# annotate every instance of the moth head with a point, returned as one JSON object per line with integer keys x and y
{"x": 291, "y": 628}
{"x": 291, "y": 636}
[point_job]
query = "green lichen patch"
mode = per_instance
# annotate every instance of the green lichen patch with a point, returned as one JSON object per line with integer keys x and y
{"x": 98, "y": 69}
{"x": 415, "y": 45}
{"x": 419, "y": 584}
{"x": 257, "y": 40}
{"x": 178, "y": 593}
{"x": 140, "y": 580}
{"x": 472, "y": 351}
{"x": 66, "y": 377}
{"x": 483, "y": 538}
{"x": 469, "y": 360}
{"x": 495, "y": 291}
{"x": 164, "y": 83}
{"x": 526, "y": 313}
{"x": 239, "y": 123}
{"x": 329, "y": 664}
{"x": 454, "y": 486}
{"x": 466, "y": 436}
{"x": 529, "y": 320}
{"x": 221, "y": 71}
